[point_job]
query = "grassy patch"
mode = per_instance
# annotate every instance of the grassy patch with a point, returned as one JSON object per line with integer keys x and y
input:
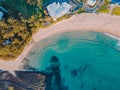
{"x": 104, "y": 8}
{"x": 81, "y": 10}
{"x": 116, "y": 11}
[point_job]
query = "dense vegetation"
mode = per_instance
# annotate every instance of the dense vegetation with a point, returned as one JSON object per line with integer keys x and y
{"x": 24, "y": 17}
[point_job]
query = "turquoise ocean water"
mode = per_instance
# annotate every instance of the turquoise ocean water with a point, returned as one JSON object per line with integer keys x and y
{"x": 88, "y": 60}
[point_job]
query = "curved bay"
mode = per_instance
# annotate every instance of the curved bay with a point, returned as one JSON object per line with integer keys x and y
{"x": 88, "y": 60}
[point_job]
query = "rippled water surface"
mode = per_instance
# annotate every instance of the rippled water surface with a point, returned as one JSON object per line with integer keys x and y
{"x": 89, "y": 60}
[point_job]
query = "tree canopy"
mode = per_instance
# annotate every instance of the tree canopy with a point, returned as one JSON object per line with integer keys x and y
{"x": 24, "y": 17}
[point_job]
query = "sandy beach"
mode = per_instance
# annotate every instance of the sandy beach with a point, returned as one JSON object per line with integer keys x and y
{"x": 86, "y": 21}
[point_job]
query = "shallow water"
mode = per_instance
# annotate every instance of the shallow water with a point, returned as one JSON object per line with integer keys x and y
{"x": 89, "y": 60}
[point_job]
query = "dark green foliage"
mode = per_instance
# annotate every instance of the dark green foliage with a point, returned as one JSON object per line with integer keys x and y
{"x": 25, "y": 17}
{"x": 23, "y": 7}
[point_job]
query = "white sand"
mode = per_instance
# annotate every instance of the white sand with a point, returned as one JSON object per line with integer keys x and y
{"x": 94, "y": 22}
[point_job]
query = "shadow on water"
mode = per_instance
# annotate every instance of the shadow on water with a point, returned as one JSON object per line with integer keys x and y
{"x": 53, "y": 79}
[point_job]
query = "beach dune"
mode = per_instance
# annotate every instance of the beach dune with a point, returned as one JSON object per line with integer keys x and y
{"x": 94, "y": 22}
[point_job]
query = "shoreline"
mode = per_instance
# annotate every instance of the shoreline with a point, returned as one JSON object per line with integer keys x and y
{"x": 104, "y": 23}
{"x": 112, "y": 36}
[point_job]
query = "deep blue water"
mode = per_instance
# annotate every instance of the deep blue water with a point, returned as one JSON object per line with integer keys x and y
{"x": 88, "y": 60}
{"x": 115, "y": 1}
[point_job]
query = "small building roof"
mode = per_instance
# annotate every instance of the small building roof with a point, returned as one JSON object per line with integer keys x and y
{"x": 91, "y": 2}
{"x": 7, "y": 42}
{"x": 57, "y": 10}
